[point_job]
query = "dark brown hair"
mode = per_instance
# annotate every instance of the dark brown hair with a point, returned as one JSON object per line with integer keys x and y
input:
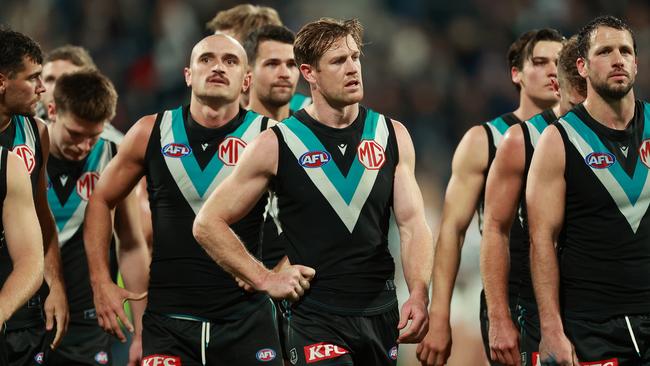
{"x": 14, "y": 48}
{"x": 87, "y": 94}
{"x": 522, "y": 48}
{"x": 315, "y": 38}
{"x": 584, "y": 36}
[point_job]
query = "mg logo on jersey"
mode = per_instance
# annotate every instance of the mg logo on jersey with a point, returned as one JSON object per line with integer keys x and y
{"x": 26, "y": 153}
{"x": 101, "y": 358}
{"x": 86, "y": 184}
{"x": 265, "y": 355}
{"x": 176, "y": 150}
{"x": 230, "y": 150}
{"x": 323, "y": 351}
{"x": 644, "y": 152}
{"x": 315, "y": 159}
{"x": 600, "y": 160}
{"x": 161, "y": 360}
{"x": 392, "y": 353}
{"x": 371, "y": 154}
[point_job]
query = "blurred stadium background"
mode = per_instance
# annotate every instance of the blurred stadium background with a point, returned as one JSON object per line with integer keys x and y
{"x": 438, "y": 66}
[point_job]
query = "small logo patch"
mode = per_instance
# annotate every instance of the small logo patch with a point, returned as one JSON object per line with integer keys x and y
{"x": 392, "y": 353}
{"x": 294, "y": 356}
{"x": 610, "y": 362}
{"x": 315, "y": 159}
{"x": 101, "y": 358}
{"x": 176, "y": 150}
{"x": 27, "y": 155}
{"x": 39, "y": 358}
{"x": 600, "y": 160}
{"x": 644, "y": 152}
{"x": 230, "y": 150}
{"x": 371, "y": 154}
{"x": 323, "y": 351}
{"x": 265, "y": 355}
{"x": 86, "y": 184}
{"x": 161, "y": 360}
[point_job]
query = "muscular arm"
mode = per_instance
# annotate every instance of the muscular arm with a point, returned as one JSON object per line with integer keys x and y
{"x": 545, "y": 200}
{"x": 115, "y": 183}
{"x": 23, "y": 242}
{"x": 502, "y": 197}
{"x": 415, "y": 238}
{"x": 230, "y": 202}
{"x": 56, "y": 305}
{"x": 469, "y": 167}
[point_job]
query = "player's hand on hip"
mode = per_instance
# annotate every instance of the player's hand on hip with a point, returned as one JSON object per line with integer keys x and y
{"x": 109, "y": 304}
{"x": 288, "y": 282}
{"x": 435, "y": 348}
{"x": 556, "y": 350}
{"x": 504, "y": 342}
{"x": 415, "y": 311}
{"x": 56, "y": 312}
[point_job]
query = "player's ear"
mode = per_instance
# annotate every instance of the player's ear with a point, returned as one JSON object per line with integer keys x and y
{"x": 515, "y": 75}
{"x": 583, "y": 67}
{"x": 188, "y": 76}
{"x": 248, "y": 78}
{"x": 307, "y": 72}
{"x": 51, "y": 111}
{"x": 3, "y": 82}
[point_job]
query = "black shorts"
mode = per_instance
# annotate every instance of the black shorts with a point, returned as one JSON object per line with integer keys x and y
{"x": 251, "y": 340}
{"x": 3, "y": 346}
{"x": 329, "y": 339}
{"x": 29, "y": 346}
{"x": 83, "y": 344}
{"x": 525, "y": 317}
{"x": 611, "y": 342}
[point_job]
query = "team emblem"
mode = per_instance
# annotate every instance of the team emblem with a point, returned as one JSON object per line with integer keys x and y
{"x": 323, "y": 351}
{"x": 86, "y": 184}
{"x": 230, "y": 149}
{"x": 161, "y": 360}
{"x": 27, "y": 155}
{"x": 39, "y": 358}
{"x": 315, "y": 159}
{"x": 392, "y": 353}
{"x": 644, "y": 152}
{"x": 101, "y": 358}
{"x": 371, "y": 154}
{"x": 265, "y": 355}
{"x": 600, "y": 160}
{"x": 176, "y": 150}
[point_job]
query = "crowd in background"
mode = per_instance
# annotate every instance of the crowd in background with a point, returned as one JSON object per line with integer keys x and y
{"x": 437, "y": 66}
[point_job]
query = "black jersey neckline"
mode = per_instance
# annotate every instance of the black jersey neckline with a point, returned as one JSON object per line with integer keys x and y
{"x": 311, "y": 122}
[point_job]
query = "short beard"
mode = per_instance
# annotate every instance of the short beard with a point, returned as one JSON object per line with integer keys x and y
{"x": 611, "y": 93}
{"x": 269, "y": 100}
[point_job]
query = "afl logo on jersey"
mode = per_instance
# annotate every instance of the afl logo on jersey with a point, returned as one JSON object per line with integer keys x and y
{"x": 176, "y": 150}
{"x": 26, "y": 153}
{"x": 315, "y": 159}
{"x": 644, "y": 152}
{"x": 230, "y": 150}
{"x": 371, "y": 154}
{"x": 86, "y": 184}
{"x": 265, "y": 355}
{"x": 600, "y": 160}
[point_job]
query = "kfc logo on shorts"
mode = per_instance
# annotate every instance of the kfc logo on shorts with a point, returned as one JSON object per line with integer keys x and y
{"x": 323, "y": 351}
{"x": 101, "y": 358}
{"x": 161, "y": 360}
{"x": 39, "y": 358}
{"x": 644, "y": 152}
{"x": 27, "y": 155}
{"x": 265, "y": 355}
{"x": 86, "y": 184}
{"x": 371, "y": 154}
{"x": 392, "y": 353}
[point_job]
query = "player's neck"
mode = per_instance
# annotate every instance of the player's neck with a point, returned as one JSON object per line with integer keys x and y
{"x": 54, "y": 148}
{"x": 213, "y": 115}
{"x": 529, "y": 107}
{"x": 335, "y": 117}
{"x": 5, "y": 118}
{"x": 273, "y": 112}
{"x": 614, "y": 114}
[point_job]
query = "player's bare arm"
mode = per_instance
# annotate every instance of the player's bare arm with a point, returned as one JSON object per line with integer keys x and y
{"x": 230, "y": 202}
{"x": 415, "y": 239}
{"x": 469, "y": 167}
{"x": 116, "y": 182}
{"x": 24, "y": 244}
{"x": 502, "y": 196}
{"x": 56, "y": 305}
{"x": 545, "y": 199}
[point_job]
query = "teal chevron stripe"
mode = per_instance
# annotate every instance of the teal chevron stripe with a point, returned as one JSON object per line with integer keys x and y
{"x": 346, "y": 186}
{"x": 19, "y": 138}
{"x": 201, "y": 179}
{"x": 538, "y": 122}
{"x": 632, "y": 187}
{"x": 500, "y": 125}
